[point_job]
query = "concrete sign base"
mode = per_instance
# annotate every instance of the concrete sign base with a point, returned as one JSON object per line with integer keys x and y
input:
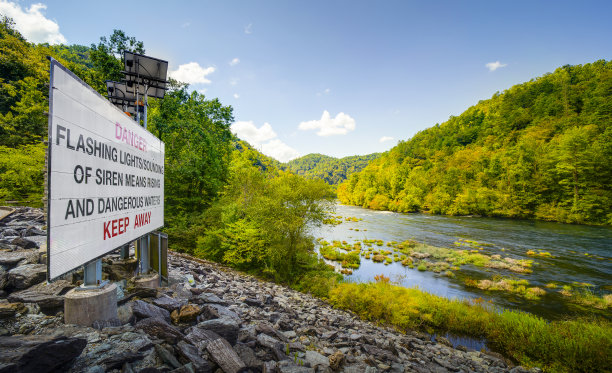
{"x": 147, "y": 281}
{"x": 83, "y": 307}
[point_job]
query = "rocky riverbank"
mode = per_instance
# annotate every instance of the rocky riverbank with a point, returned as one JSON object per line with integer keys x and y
{"x": 209, "y": 319}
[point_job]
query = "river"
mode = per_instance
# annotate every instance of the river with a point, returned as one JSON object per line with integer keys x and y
{"x": 580, "y": 255}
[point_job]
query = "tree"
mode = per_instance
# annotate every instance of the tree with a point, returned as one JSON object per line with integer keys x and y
{"x": 107, "y": 56}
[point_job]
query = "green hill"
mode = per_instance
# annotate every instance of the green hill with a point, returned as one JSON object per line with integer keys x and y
{"x": 542, "y": 149}
{"x": 332, "y": 170}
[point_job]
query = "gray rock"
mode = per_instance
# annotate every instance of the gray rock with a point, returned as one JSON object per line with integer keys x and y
{"x": 225, "y": 327}
{"x": 118, "y": 359}
{"x": 168, "y": 303}
{"x": 11, "y": 258}
{"x": 213, "y": 311}
{"x": 269, "y": 342}
{"x": 125, "y": 314}
{"x": 187, "y": 368}
{"x": 248, "y": 356}
{"x": 161, "y": 329}
{"x": 24, "y": 243}
{"x": 166, "y": 356}
{"x": 200, "y": 337}
{"x": 316, "y": 359}
{"x": 95, "y": 369}
{"x": 26, "y": 275}
{"x": 39, "y": 354}
{"x": 223, "y": 354}
{"x": 48, "y": 296}
{"x": 144, "y": 310}
{"x": 191, "y": 354}
{"x": 210, "y": 298}
{"x": 288, "y": 366}
{"x": 33, "y": 231}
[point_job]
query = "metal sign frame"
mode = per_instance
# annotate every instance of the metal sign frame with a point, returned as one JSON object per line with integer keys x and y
{"x": 104, "y": 111}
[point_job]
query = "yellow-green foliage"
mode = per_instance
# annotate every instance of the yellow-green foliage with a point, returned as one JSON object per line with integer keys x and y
{"x": 22, "y": 174}
{"x": 557, "y": 346}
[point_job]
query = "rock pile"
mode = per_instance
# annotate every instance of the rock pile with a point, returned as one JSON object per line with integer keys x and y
{"x": 209, "y": 319}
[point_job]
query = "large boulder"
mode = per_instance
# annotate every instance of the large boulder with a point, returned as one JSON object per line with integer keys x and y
{"x": 48, "y": 296}
{"x": 225, "y": 327}
{"x": 26, "y": 275}
{"x": 159, "y": 328}
{"x": 169, "y": 303}
{"x": 10, "y": 309}
{"x": 144, "y": 310}
{"x": 11, "y": 258}
{"x": 24, "y": 243}
{"x": 38, "y": 354}
{"x": 190, "y": 353}
{"x": 223, "y": 354}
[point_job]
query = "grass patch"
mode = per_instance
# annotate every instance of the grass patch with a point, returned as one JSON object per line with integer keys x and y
{"x": 557, "y": 346}
{"x": 348, "y": 260}
{"x": 515, "y": 286}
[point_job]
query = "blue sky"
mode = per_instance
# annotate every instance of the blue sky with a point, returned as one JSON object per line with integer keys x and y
{"x": 339, "y": 77}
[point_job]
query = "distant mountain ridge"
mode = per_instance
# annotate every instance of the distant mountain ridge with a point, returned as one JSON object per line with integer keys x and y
{"x": 541, "y": 149}
{"x": 330, "y": 169}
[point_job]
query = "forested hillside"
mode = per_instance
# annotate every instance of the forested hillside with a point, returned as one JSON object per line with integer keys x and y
{"x": 542, "y": 149}
{"x": 332, "y": 170}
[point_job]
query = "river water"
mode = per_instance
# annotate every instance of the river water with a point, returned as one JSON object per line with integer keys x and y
{"x": 580, "y": 254}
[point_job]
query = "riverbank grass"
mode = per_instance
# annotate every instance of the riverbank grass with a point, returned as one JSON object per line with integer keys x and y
{"x": 555, "y": 346}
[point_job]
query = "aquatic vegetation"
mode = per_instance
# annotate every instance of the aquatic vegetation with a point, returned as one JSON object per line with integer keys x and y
{"x": 378, "y": 258}
{"x": 449, "y": 274}
{"x": 500, "y": 283}
{"x": 422, "y": 266}
{"x": 345, "y": 271}
{"x": 585, "y": 297}
{"x": 542, "y": 254}
{"x": 349, "y": 259}
{"x": 407, "y": 261}
{"x": 555, "y": 346}
{"x": 551, "y": 285}
{"x": 353, "y": 219}
{"x": 332, "y": 221}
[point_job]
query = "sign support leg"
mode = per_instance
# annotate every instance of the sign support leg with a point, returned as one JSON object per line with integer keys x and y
{"x": 92, "y": 274}
{"x": 125, "y": 252}
{"x": 143, "y": 256}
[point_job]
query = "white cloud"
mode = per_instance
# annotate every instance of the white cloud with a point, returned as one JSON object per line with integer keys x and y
{"x": 253, "y": 135}
{"x": 265, "y": 140}
{"x": 192, "y": 73}
{"x": 279, "y": 150}
{"x": 203, "y": 90}
{"x": 328, "y": 126}
{"x": 385, "y": 138}
{"x": 325, "y": 92}
{"x": 248, "y": 29}
{"x": 32, "y": 23}
{"x": 236, "y": 95}
{"x": 492, "y": 66}
{"x": 233, "y": 81}
{"x": 234, "y": 62}
{"x": 186, "y": 24}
